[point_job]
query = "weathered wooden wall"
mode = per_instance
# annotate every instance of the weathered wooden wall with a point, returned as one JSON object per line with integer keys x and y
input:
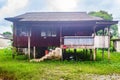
{"x": 101, "y": 42}
{"x": 86, "y": 41}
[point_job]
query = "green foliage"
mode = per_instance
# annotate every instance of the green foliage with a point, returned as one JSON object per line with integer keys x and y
{"x": 100, "y": 32}
{"x": 106, "y": 16}
{"x": 114, "y": 31}
{"x": 7, "y": 33}
{"x": 103, "y": 14}
{"x": 111, "y": 46}
{"x": 20, "y": 69}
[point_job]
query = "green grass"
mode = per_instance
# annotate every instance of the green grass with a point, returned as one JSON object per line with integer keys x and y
{"x": 20, "y": 69}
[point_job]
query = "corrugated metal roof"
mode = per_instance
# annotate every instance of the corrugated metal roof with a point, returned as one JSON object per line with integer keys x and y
{"x": 56, "y": 16}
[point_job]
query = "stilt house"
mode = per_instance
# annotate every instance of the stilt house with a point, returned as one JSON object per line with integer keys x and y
{"x": 40, "y": 30}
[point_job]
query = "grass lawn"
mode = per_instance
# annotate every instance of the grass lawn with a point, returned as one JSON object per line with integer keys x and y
{"x": 20, "y": 69}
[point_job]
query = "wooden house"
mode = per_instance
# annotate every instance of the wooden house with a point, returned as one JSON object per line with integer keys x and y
{"x": 39, "y": 30}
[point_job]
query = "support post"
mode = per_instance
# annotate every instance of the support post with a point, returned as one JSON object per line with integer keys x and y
{"x": 94, "y": 54}
{"x": 63, "y": 54}
{"x": 103, "y": 44}
{"x": 108, "y": 43}
{"x": 108, "y": 53}
{"x": 75, "y": 54}
{"x": 91, "y": 54}
{"x": 34, "y": 51}
{"x": 61, "y": 36}
{"x": 28, "y": 45}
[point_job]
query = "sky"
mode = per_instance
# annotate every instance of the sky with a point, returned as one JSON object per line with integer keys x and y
{"x": 11, "y": 8}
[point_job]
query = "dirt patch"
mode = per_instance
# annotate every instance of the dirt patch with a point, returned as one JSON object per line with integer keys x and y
{"x": 4, "y": 76}
{"x": 103, "y": 77}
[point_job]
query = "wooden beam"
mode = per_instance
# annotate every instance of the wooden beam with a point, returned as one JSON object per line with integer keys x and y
{"x": 103, "y": 44}
{"x": 28, "y": 45}
{"x": 63, "y": 54}
{"x": 108, "y": 53}
{"x": 94, "y": 54}
{"x": 91, "y": 54}
{"x": 60, "y": 36}
{"x": 109, "y": 43}
{"x": 34, "y": 51}
{"x": 75, "y": 54}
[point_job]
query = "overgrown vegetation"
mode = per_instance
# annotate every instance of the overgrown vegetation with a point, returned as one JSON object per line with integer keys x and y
{"x": 20, "y": 69}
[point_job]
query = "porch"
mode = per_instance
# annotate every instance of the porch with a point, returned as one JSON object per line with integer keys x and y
{"x": 91, "y": 43}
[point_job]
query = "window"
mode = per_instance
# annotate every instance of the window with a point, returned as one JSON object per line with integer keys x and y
{"x": 43, "y": 33}
{"x": 22, "y": 31}
{"x": 54, "y": 34}
{"x": 48, "y": 33}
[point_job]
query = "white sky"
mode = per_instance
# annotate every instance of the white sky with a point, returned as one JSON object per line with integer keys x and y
{"x": 10, "y": 8}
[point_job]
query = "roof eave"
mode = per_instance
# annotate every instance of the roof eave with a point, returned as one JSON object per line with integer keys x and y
{"x": 12, "y": 19}
{"x": 107, "y": 22}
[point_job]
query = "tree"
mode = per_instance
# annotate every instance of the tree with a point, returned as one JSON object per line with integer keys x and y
{"x": 103, "y": 14}
{"x": 106, "y": 16}
{"x": 7, "y": 33}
